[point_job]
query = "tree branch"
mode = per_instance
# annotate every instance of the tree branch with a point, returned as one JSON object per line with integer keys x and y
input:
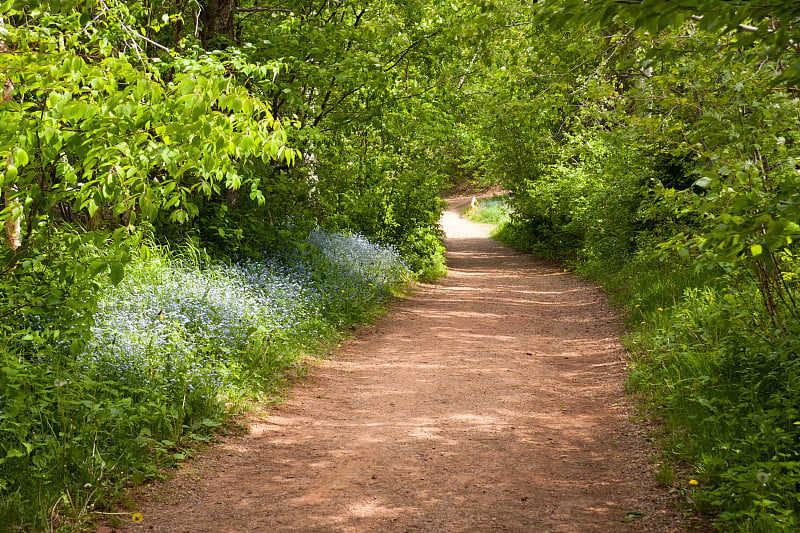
{"x": 410, "y": 47}
{"x": 261, "y": 9}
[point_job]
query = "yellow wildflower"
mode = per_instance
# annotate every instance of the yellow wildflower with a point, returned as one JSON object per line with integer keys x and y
{"x": 136, "y": 518}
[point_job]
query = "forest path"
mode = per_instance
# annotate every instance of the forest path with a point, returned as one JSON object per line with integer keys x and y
{"x": 490, "y": 401}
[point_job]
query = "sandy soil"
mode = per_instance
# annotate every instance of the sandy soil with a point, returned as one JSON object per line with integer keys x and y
{"x": 490, "y": 401}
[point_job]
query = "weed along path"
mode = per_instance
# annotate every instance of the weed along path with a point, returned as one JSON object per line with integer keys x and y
{"x": 489, "y": 401}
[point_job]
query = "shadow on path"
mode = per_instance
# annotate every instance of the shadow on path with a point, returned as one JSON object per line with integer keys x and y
{"x": 491, "y": 401}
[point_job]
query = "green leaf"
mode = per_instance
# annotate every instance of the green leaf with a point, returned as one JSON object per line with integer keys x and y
{"x": 211, "y": 423}
{"x": 13, "y": 452}
{"x": 703, "y": 183}
{"x": 632, "y": 515}
{"x": 20, "y": 157}
{"x": 117, "y": 272}
{"x": 705, "y": 403}
{"x": 92, "y": 207}
{"x": 10, "y": 174}
{"x": 96, "y": 266}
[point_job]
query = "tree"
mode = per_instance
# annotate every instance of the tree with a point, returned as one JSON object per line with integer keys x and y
{"x": 218, "y": 24}
{"x": 768, "y": 29}
{"x": 98, "y": 137}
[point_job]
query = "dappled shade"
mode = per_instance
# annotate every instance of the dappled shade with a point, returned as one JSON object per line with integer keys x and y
{"x": 491, "y": 400}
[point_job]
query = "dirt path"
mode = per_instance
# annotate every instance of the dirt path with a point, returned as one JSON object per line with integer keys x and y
{"x": 491, "y": 401}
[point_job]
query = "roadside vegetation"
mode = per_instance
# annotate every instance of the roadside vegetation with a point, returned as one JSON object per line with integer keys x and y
{"x": 489, "y": 211}
{"x": 670, "y": 176}
{"x": 173, "y": 349}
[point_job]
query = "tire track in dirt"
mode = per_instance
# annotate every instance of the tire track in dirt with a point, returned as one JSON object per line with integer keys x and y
{"x": 490, "y": 401}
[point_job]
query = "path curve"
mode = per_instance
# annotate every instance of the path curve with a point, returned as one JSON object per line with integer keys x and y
{"x": 490, "y": 401}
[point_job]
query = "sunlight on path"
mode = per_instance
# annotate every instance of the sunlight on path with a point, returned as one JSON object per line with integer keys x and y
{"x": 489, "y": 401}
{"x": 454, "y": 227}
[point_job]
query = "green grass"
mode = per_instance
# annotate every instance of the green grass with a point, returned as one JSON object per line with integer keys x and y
{"x": 724, "y": 382}
{"x": 489, "y": 211}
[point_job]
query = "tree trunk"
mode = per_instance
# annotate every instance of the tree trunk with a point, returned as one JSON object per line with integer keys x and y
{"x": 218, "y": 27}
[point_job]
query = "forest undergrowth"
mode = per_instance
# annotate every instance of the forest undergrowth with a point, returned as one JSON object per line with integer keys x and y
{"x": 181, "y": 343}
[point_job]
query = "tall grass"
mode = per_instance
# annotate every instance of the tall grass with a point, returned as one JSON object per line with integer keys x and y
{"x": 727, "y": 389}
{"x": 168, "y": 349}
